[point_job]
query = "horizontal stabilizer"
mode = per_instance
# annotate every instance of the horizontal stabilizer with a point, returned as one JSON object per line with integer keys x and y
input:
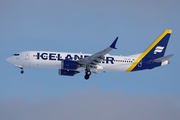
{"x": 162, "y": 59}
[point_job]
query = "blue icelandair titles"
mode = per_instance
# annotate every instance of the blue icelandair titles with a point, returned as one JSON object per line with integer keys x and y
{"x": 52, "y": 56}
{"x": 58, "y": 57}
{"x": 69, "y": 64}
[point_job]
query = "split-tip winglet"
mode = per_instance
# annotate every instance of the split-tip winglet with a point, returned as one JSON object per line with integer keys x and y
{"x": 114, "y": 44}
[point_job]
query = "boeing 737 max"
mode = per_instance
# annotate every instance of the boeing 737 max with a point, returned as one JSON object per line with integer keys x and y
{"x": 70, "y": 64}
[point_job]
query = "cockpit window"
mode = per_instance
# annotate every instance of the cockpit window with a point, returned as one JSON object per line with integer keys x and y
{"x": 15, "y": 54}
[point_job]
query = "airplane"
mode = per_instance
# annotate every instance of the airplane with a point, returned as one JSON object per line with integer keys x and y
{"x": 70, "y": 64}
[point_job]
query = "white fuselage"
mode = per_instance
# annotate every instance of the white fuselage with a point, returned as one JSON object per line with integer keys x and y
{"x": 45, "y": 59}
{"x": 70, "y": 64}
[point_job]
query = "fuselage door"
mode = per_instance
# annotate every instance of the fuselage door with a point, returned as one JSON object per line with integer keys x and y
{"x": 26, "y": 55}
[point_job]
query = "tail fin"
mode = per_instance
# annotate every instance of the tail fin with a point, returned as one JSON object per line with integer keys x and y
{"x": 158, "y": 47}
{"x": 154, "y": 51}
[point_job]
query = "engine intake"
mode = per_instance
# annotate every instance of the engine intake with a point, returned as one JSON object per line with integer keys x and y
{"x": 69, "y": 65}
{"x": 67, "y": 72}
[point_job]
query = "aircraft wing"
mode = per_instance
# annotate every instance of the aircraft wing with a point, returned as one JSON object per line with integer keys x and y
{"x": 95, "y": 59}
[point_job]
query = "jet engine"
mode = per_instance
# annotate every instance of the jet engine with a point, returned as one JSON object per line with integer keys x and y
{"x": 67, "y": 72}
{"x": 69, "y": 65}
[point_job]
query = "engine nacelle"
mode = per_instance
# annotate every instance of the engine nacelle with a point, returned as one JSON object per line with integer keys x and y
{"x": 67, "y": 72}
{"x": 69, "y": 65}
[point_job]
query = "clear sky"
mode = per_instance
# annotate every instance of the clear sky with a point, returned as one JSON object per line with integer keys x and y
{"x": 88, "y": 26}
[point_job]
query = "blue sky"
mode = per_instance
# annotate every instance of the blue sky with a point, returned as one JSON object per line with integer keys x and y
{"x": 88, "y": 27}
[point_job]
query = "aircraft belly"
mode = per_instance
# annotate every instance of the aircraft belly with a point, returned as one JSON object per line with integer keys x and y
{"x": 46, "y": 64}
{"x": 116, "y": 68}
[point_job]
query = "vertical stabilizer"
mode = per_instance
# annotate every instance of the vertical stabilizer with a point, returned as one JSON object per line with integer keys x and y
{"x": 158, "y": 47}
{"x": 154, "y": 51}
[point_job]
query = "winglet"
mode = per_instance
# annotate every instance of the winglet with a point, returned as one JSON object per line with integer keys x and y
{"x": 114, "y": 44}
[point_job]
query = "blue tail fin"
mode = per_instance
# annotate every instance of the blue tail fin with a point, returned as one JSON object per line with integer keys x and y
{"x": 154, "y": 51}
{"x": 158, "y": 47}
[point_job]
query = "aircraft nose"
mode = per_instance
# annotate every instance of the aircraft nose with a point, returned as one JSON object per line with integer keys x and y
{"x": 9, "y": 59}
